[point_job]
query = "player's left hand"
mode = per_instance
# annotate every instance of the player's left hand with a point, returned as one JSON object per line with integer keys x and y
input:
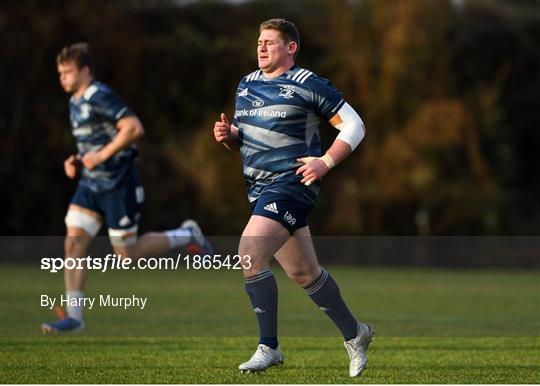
{"x": 313, "y": 169}
{"x": 92, "y": 159}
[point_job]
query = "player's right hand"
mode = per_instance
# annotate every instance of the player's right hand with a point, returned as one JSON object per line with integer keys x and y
{"x": 71, "y": 166}
{"x": 222, "y": 129}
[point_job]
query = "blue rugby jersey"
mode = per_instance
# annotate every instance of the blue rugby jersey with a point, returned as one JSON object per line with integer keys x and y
{"x": 93, "y": 122}
{"x": 278, "y": 121}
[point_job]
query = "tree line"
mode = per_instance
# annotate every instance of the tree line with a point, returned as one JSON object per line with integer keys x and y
{"x": 447, "y": 91}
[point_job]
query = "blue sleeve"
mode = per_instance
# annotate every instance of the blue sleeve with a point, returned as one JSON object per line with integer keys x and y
{"x": 327, "y": 99}
{"x": 239, "y": 88}
{"x": 109, "y": 105}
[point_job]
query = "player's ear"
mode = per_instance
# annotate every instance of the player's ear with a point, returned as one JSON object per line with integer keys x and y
{"x": 292, "y": 48}
{"x": 86, "y": 71}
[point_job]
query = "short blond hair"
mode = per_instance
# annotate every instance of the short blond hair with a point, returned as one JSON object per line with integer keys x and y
{"x": 287, "y": 30}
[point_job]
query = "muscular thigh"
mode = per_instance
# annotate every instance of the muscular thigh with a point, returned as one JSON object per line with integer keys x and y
{"x": 261, "y": 238}
{"x": 298, "y": 259}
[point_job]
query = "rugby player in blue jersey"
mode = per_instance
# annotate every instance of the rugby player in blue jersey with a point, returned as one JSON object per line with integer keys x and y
{"x": 109, "y": 189}
{"x": 276, "y": 128}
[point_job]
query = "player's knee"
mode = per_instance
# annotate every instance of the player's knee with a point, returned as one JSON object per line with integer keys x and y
{"x": 125, "y": 252}
{"x": 299, "y": 277}
{"x": 69, "y": 245}
{"x": 255, "y": 265}
{"x": 255, "y": 269}
{"x": 302, "y": 277}
{"x": 73, "y": 245}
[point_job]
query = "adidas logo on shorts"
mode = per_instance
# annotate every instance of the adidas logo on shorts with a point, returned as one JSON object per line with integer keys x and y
{"x": 272, "y": 207}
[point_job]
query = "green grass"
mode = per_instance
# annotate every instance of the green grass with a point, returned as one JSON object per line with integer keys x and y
{"x": 433, "y": 326}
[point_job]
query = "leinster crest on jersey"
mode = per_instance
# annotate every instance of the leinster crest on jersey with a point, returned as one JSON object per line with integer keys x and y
{"x": 286, "y": 92}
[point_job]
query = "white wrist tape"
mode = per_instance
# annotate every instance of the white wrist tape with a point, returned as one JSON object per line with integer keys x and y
{"x": 351, "y": 127}
{"x": 328, "y": 161}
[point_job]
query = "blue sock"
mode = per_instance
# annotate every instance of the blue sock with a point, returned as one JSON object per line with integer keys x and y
{"x": 263, "y": 293}
{"x": 325, "y": 293}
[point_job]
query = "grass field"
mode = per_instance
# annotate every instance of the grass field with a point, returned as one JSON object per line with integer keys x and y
{"x": 433, "y": 326}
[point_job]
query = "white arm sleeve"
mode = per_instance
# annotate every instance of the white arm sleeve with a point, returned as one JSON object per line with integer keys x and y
{"x": 351, "y": 128}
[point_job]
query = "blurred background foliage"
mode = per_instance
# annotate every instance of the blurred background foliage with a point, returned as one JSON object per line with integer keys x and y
{"x": 449, "y": 92}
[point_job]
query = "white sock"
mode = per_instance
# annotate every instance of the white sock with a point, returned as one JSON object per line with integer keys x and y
{"x": 178, "y": 237}
{"x": 74, "y": 312}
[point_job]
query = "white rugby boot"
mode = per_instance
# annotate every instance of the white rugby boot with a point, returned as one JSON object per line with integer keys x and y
{"x": 263, "y": 358}
{"x": 357, "y": 348}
